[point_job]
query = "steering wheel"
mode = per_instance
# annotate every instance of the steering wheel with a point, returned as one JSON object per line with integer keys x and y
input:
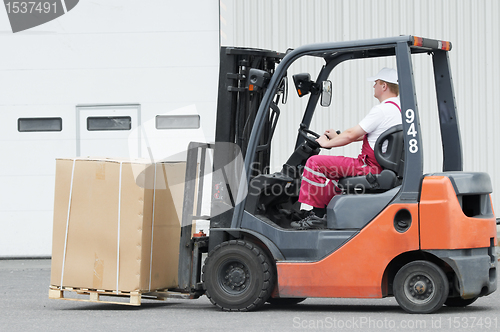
{"x": 310, "y": 137}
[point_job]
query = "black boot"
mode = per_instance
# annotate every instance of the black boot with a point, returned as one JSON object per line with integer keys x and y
{"x": 320, "y": 212}
{"x": 310, "y": 222}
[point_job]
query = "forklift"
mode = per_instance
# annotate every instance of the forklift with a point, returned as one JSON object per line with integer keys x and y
{"x": 426, "y": 239}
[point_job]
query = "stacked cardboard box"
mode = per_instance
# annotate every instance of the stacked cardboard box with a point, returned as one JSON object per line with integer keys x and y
{"x": 116, "y": 224}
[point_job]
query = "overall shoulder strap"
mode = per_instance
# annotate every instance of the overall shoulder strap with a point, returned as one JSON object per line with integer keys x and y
{"x": 391, "y": 102}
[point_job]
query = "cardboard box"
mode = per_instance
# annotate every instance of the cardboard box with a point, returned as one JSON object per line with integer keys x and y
{"x": 117, "y": 224}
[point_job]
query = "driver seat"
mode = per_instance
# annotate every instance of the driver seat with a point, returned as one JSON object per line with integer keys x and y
{"x": 392, "y": 162}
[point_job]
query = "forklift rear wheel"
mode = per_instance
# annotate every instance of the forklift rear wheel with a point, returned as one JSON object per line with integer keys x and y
{"x": 285, "y": 301}
{"x": 420, "y": 287}
{"x": 238, "y": 276}
{"x": 459, "y": 302}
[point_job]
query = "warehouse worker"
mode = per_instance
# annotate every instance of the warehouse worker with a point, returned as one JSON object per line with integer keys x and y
{"x": 321, "y": 173}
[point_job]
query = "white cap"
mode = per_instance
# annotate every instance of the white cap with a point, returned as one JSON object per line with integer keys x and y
{"x": 387, "y": 75}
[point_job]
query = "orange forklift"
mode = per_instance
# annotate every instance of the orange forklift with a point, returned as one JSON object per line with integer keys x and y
{"x": 426, "y": 239}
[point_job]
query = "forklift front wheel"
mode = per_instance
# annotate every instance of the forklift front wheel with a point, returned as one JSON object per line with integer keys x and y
{"x": 238, "y": 276}
{"x": 420, "y": 287}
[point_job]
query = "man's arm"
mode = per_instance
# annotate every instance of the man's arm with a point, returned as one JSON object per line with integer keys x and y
{"x": 331, "y": 139}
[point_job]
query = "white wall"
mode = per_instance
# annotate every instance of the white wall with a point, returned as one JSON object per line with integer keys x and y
{"x": 471, "y": 25}
{"x": 163, "y": 56}
{"x": 159, "y": 54}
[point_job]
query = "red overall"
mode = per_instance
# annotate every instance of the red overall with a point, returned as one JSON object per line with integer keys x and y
{"x": 321, "y": 174}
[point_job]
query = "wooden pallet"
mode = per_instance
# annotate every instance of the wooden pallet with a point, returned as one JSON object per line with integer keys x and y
{"x": 95, "y": 295}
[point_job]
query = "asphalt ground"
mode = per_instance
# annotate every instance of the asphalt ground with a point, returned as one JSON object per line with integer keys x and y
{"x": 25, "y": 306}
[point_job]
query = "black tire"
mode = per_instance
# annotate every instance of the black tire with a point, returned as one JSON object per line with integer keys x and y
{"x": 420, "y": 287}
{"x": 238, "y": 276}
{"x": 459, "y": 302}
{"x": 285, "y": 301}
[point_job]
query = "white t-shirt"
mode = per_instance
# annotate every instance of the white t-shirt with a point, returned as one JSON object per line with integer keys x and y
{"x": 380, "y": 118}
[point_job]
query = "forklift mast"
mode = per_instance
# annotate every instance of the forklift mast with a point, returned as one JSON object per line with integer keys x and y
{"x": 237, "y": 108}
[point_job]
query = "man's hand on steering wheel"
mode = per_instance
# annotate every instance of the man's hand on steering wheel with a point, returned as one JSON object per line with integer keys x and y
{"x": 315, "y": 140}
{"x": 323, "y": 140}
{"x": 327, "y": 136}
{"x": 331, "y": 133}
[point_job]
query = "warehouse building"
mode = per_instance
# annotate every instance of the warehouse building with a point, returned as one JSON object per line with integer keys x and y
{"x": 128, "y": 79}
